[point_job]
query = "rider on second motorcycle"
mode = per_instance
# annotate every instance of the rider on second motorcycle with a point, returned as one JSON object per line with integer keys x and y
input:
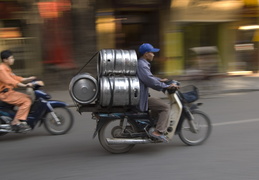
{"x": 9, "y": 81}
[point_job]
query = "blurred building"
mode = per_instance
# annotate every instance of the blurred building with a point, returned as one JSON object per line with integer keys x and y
{"x": 247, "y": 37}
{"x": 14, "y": 35}
{"x": 206, "y": 23}
{"x": 48, "y": 36}
{"x": 176, "y": 26}
{"x": 62, "y": 35}
{"x": 126, "y": 24}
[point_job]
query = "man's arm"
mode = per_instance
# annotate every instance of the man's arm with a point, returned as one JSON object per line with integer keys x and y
{"x": 15, "y": 81}
{"x": 28, "y": 79}
{"x": 6, "y": 78}
{"x": 149, "y": 79}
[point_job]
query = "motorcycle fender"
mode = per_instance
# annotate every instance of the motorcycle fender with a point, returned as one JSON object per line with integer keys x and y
{"x": 51, "y": 105}
{"x": 102, "y": 118}
{"x": 101, "y": 121}
{"x": 57, "y": 104}
{"x": 99, "y": 125}
{"x": 194, "y": 106}
{"x": 179, "y": 126}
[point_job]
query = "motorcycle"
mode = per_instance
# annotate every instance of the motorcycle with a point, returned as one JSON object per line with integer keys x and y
{"x": 120, "y": 129}
{"x": 54, "y": 115}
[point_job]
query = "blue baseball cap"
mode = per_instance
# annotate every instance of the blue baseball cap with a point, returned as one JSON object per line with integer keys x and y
{"x": 146, "y": 47}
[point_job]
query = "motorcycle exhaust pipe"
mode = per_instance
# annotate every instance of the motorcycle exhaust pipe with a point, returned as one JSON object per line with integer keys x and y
{"x": 117, "y": 141}
{"x": 5, "y": 128}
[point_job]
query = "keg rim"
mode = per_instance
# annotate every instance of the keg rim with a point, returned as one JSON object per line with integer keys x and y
{"x": 77, "y": 78}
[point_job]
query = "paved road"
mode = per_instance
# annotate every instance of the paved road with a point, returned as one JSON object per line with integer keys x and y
{"x": 230, "y": 154}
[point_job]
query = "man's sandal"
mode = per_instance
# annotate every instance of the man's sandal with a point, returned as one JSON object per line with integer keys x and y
{"x": 16, "y": 127}
{"x": 20, "y": 127}
{"x": 160, "y": 137}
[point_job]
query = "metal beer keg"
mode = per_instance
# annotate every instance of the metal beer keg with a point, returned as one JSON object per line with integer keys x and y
{"x": 83, "y": 88}
{"x": 119, "y": 91}
{"x": 117, "y": 61}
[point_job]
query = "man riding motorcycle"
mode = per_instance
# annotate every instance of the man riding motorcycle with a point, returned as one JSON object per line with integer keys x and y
{"x": 148, "y": 80}
{"x": 9, "y": 81}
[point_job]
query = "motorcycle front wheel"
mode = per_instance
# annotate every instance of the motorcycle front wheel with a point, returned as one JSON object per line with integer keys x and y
{"x": 114, "y": 129}
{"x": 64, "y": 123}
{"x": 202, "y": 130}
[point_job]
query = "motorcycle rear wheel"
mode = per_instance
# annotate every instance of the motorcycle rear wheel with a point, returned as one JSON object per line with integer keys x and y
{"x": 203, "y": 126}
{"x": 65, "y": 117}
{"x": 113, "y": 129}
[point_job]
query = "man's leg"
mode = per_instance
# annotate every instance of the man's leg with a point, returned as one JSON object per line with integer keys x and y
{"x": 22, "y": 101}
{"x": 163, "y": 110}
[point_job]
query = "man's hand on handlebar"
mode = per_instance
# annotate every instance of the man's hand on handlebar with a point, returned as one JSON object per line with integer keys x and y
{"x": 173, "y": 86}
{"x": 29, "y": 85}
{"x": 35, "y": 83}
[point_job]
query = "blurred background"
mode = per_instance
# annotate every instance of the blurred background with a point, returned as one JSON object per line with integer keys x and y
{"x": 53, "y": 39}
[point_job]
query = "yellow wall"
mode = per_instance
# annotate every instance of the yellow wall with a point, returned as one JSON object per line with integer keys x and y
{"x": 251, "y": 2}
{"x": 173, "y": 53}
{"x": 105, "y": 27}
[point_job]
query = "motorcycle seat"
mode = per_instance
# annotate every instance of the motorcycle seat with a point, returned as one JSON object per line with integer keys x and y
{"x": 4, "y": 104}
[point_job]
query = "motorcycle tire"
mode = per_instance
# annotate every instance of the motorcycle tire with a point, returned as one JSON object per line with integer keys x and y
{"x": 113, "y": 129}
{"x": 66, "y": 121}
{"x": 203, "y": 129}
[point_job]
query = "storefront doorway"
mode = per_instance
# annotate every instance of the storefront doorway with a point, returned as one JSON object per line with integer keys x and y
{"x": 134, "y": 28}
{"x": 199, "y": 35}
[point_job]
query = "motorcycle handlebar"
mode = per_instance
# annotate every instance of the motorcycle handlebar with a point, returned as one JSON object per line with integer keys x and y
{"x": 173, "y": 89}
{"x": 36, "y": 84}
{"x": 168, "y": 82}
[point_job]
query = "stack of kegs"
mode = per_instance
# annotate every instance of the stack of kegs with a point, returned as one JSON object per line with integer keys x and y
{"x": 116, "y": 84}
